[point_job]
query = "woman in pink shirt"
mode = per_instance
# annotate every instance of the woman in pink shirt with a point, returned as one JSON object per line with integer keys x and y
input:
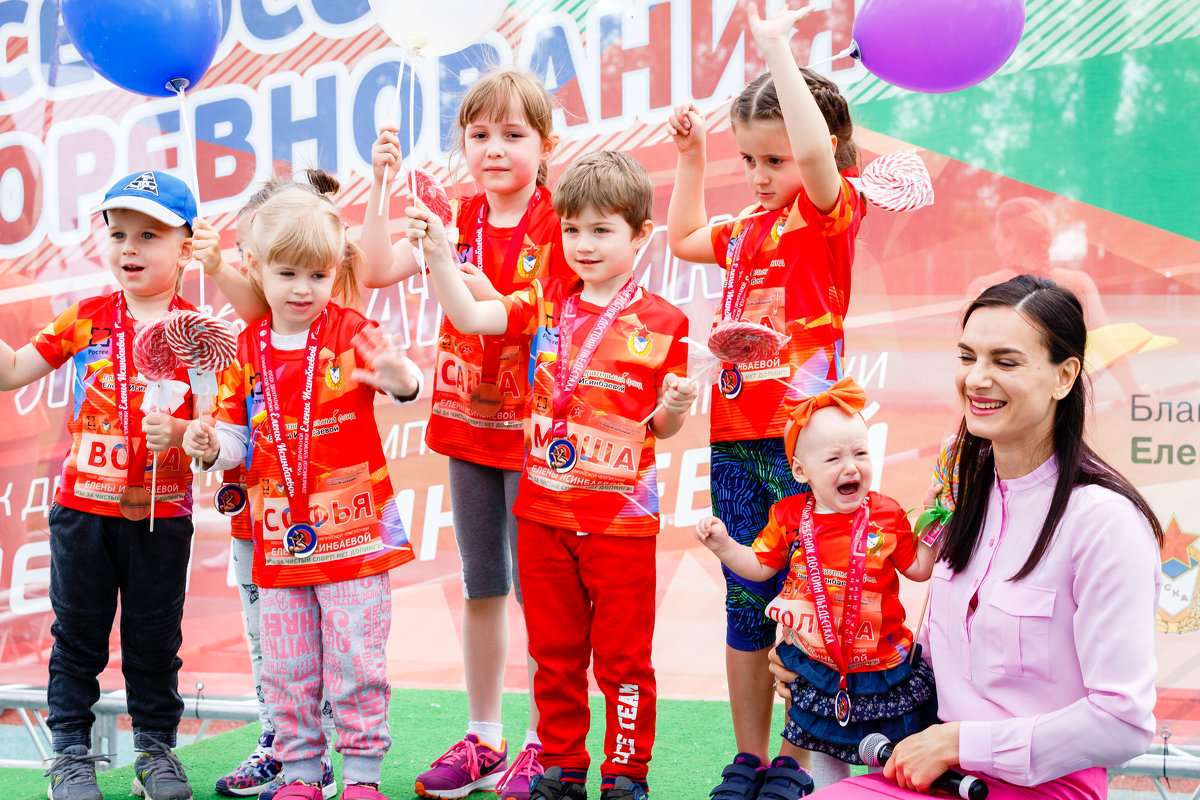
{"x": 1041, "y": 625}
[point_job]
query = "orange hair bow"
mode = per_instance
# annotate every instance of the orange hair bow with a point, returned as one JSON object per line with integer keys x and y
{"x": 845, "y": 393}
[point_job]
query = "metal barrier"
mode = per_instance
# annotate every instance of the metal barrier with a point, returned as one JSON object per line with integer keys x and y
{"x": 30, "y": 703}
{"x": 1175, "y": 762}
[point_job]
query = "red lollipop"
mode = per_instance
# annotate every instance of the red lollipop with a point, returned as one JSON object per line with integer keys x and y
{"x": 151, "y": 354}
{"x": 201, "y": 342}
{"x": 433, "y": 196}
{"x": 739, "y": 342}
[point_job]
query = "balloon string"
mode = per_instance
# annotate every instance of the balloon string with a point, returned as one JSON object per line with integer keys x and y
{"x": 848, "y": 51}
{"x": 383, "y": 190}
{"x": 190, "y": 144}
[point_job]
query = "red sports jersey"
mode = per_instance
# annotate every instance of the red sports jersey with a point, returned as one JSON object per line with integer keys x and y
{"x": 359, "y": 532}
{"x": 490, "y": 432}
{"x": 882, "y": 639}
{"x": 800, "y": 285}
{"x": 94, "y": 473}
{"x": 613, "y": 488}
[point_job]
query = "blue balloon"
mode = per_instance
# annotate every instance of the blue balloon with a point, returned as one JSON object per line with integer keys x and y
{"x": 144, "y": 45}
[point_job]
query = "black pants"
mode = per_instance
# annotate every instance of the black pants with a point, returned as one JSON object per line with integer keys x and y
{"x": 93, "y": 560}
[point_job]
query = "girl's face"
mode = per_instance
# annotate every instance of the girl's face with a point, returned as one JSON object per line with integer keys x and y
{"x": 771, "y": 169}
{"x": 1008, "y": 385}
{"x": 833, "y": 459}
{"x": 296, "y": 296}
{"x": 503, "y": 156}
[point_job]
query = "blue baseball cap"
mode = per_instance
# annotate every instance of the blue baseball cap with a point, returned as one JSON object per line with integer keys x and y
{"x": 156, "y": 194}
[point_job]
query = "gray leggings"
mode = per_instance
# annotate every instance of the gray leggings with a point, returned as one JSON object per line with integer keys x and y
{"x": 481, "y": 500}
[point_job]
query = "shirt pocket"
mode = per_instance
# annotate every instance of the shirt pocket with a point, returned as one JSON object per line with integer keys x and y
{"x": 939, "y": 614}
{"x": 1018, "y": 630}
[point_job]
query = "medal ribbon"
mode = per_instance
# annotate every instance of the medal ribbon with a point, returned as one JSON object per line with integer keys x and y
{"x": 567, "y": 372}
{"x": 133, "y": 476}
{"x": 295, "y": 481}
{"x": 839, "y": 648}
{"x": 491, "y": 355}
{"x": 736, "y": 287}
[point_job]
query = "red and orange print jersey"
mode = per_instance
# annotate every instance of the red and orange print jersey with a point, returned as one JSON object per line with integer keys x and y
{"x": 239, "y": 524}
{"x": 95, "y": 471}
{"x": 613, "y": 487}
{"x": 490, "y": 433}
{"x": 359, "y": 532}
{"x": 800, "y": 286}
{"x": 882, "y": 639}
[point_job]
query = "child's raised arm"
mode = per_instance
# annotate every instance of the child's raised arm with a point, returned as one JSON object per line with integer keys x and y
{"x": 713, "y": 534}
{"x": 687, "y": 219}
{"x": 21, "y": 367}
{"x": 386, "y": 263}
{"x": 812, "y": 144}
{"x": 236, "y": 287}
{"x": 469, "y": 315}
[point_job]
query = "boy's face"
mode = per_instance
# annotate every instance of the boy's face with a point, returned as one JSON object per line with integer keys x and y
{"x": 832, "y": 458}
{"x": 601, "y": 246}
{"x": 144, "y": 254}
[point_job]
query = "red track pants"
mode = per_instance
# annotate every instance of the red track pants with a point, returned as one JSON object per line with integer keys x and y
{"x": 590, "y": 597}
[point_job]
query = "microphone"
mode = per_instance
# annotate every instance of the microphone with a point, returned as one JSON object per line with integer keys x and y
{"x": 875, "y": 750}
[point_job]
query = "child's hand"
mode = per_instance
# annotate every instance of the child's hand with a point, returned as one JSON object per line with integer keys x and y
{"x": 481, "y": 288}
{"x": 712, "y": 533}
{"x": 158, "y": 428}
{"x": 389, "y": 368}
{"x": 678, "y": 393}
{"x": 200, "y": 441}
{"x": 206, "y": 246}
{"x": 776, "y": 29}
{"x": 686, "y": 125}
{"x": 425, "y": 226}
{"x": 385, "y": 153}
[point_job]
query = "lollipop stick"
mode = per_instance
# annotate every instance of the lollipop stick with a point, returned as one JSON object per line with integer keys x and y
{"x": 920, "y": 619}
{"x": 153, "y": 490}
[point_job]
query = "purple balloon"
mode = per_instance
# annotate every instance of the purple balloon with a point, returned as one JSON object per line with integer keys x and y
{"x": 937, "y": 45}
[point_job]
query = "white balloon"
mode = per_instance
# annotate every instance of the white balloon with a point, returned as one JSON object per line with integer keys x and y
{"x": 436, "y": 27}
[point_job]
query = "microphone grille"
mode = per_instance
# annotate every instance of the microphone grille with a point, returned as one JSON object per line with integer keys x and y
{"x": 869, "y": 747}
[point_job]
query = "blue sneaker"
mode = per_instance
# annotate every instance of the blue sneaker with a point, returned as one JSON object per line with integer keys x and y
{"x": 740, "y": 780}
{"x": 328, "y": 786}
{"x": 623, "y": 789}
{"x": 255, "y": 773}
{"x": 785, "y": 780}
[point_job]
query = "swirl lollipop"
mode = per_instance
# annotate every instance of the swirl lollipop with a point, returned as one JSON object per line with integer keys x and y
{"x": 738, "y": 341}
{"x": 206, "y": 345}
{"x": 933, "y": 519}
{"x": 154, "y": 360}
{"x": 432, "y": 195}
{"x": 897, "y": 182}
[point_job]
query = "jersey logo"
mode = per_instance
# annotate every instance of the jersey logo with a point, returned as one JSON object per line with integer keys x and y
{"x": 144, "y": 183}
{"x": 529, "y": 264}
{"x": 640, "y": 343}
{"x": 333, "y": 375}
{"x": 777, "y": 228}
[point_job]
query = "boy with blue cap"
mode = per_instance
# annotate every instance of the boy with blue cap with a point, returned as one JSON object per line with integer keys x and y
{"x": 101, "y": 547}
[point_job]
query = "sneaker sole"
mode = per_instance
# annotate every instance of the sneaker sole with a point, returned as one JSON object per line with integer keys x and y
{"x": 138, "y": 790}
{"x": 247, "y": 791}
{"x": 484, "y": 784}
{"x": 50, "y": 793}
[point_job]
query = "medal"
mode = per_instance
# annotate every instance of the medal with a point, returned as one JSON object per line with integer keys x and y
{"x": 486, "y": 400}
{"x": 135, "y": 503}
{"x": 561, "y": 456}
{"x": 839, "y": 644}
{"x": 230, "y": 499}
{"x": 730, "y": 382}
{"x": 300, "y": 540}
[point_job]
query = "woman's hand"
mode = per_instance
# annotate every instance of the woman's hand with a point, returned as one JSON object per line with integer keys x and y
{"x": 783, "y": 675}
{"x": 918, "y": 760}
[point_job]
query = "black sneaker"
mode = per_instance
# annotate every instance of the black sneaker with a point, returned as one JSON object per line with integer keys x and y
{"x": 158, "y": 775}
{"x": 785, "y": 780}
{"x": 740, "y": 780}
{"x": 73, "y": 775}
{"x": 550, "y": 786}
{"x": 624, "y": 789}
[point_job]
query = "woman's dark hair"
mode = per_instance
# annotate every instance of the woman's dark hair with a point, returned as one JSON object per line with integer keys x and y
{"x": 1057, "y": 314}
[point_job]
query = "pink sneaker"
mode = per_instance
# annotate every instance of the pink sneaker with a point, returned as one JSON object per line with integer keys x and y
{"x": 297, "y": 790}
{"x": 361, "y": 791}
{"x": 525, "y": 767}
{"x": 468, "y": 766}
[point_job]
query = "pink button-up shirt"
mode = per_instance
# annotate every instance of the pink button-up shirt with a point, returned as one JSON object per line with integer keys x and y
{"x": 1055, "y": 673}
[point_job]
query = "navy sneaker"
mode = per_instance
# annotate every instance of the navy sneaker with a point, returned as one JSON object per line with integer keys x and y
{"x": 740, "y": 780}
{"x": 623, "y": 789}
{"x": 785, "y": 780}
{"x": 550, "y": 786}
